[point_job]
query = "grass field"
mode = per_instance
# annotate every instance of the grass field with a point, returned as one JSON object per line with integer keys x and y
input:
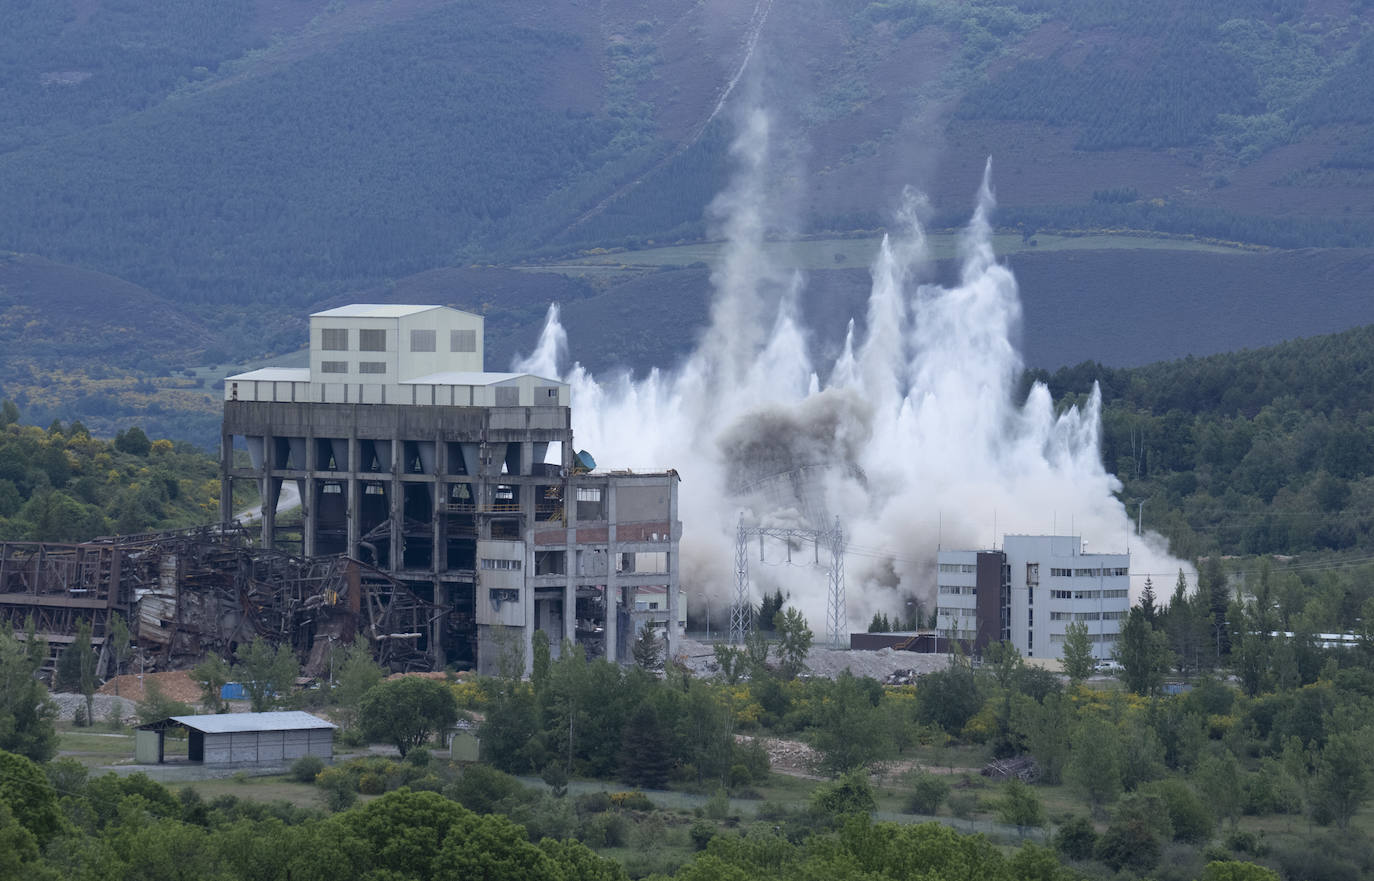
{"x": 858, "y": 253}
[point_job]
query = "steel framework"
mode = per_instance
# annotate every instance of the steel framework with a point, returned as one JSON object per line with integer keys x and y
{"x": 742, "y": 611}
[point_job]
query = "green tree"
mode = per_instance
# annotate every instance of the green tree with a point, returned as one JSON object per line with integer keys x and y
{"x": 847, "y": 728}
{"x": 926, "y": 791}
{"x": 1343, "y": 777}
{"x": 1095, "y": 761}
{"x": 27, "y": 792}
{"x": 949, "y": 697}
{"x": 1020, "y": 806}
{"x": 1143, "y": 653}
{"x": 850, "y": 794}
{"x": 1236, "y": 870}
{"x": 541, "y": 667}
{"x": 1044, "y": 728}
{"x": 407, "y": 712}
{"x": 647, "y": 650}
{"x": 212, "y": 674}
{"x": 27, "y": 713}
{"x": 1078, "y": 652}
{"x": 1218, "y": 780}
{"x": 731, "y": 662}
{"x": 267, "y": 675}
{"x": 156, "y": 705}
{"x": 794, "y": 641}
{"x": 645, "y": 758}
{"x": 121, "y": 644}
{"x": 355, "y": 677}
{"x": 76, "y": 667}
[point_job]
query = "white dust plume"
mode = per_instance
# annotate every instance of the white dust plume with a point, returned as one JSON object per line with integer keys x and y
{"x": 912, "y": 437}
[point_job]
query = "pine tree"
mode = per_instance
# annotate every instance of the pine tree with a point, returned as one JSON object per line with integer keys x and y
{"x": 1147, "y": 603}
{"x": 644, "y": 759}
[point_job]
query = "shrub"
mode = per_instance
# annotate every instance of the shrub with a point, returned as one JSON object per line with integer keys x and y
{"x": 701, "y": 833}
{"x": 371, "y": 783}
{"x": 1076, "y": 839}
{"x": 928, "y": 792}
{"x": 851, "y": 794}
{"x": 306, "y": 769}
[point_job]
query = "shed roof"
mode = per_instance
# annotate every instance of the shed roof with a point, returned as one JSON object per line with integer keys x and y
{"x": 374, "y": 310}
{"x": 224, "y": 723}
{"x": 460, "y": 377}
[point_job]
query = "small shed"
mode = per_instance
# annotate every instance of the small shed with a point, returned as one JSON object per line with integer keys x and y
{"x": 463, "y": 742}
{"x": 240, "y": 738}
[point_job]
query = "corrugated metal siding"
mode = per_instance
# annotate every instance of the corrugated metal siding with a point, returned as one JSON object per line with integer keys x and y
{"x": 270, "y": 747}
{"x": 322, "y": 742}
{"x": 243, "y": 747}
{"x": 295, "y": 744}
{"x": 217, "y": 749}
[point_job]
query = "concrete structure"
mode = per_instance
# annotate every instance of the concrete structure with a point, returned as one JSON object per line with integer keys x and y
{"x": 240, "y": 738}
{"x": 1029, "y": 591}
{"x": 463, "y": 485}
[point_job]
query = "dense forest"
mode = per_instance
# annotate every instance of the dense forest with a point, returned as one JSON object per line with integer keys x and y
{"x": 61, "y": 484}
{"x": 1259, "y": 452}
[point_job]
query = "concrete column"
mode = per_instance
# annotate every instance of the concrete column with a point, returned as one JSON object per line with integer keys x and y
{"x": 309, "y": 524}
{"x": 265, "y": 487}
{"x": 527, "y": 597}
{"x": 673, "y": 582}
{"x": 226, "y": 483}
{"x": 612, "y": 586}
{"x": 570, "y": 561}
{"x": 396, "y": 504}
{"x": 439, "y": 498}
{"x": 354, "y": 501}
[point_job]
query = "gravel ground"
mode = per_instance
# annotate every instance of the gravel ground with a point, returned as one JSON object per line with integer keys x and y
{"x": 701, "y": 660}
{"x": 67, "y": 704}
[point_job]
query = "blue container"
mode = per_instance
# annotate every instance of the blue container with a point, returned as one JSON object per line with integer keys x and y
{"x": 232, "y": 691}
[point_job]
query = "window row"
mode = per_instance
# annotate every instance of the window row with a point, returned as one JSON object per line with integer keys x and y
{"x": 501, "y": 565}
{"x": 958, "y": 590}
{"x": 1090, "y": 573}
{"x": 958, "y": 567}
{"x": 373, "y": 367}
{"x": 335, "y": 339}
{"x": 1089, "y": 594}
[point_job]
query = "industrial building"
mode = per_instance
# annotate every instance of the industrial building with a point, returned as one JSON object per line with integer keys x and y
{"x": 266, "y": 739}
{"x": 464, "y": 486}
{"x": 1029, "y": 591}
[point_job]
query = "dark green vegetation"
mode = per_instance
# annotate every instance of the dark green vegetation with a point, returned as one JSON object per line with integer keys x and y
{"x": 1270, "y": 451}
{"x": 63, "y": 485}
{"x": 236, "y": 165}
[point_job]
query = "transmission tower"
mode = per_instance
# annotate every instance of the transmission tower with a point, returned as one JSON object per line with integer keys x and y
{"x": 742, "y": 612}
{"x": 836, "y": 611}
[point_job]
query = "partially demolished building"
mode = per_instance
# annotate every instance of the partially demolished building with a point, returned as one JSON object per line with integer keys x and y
{"x": 460, "y": 486}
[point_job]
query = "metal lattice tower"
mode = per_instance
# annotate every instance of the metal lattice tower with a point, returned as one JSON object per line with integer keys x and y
{"x": 836, "y": 609}
{"x": 742, "y": 612}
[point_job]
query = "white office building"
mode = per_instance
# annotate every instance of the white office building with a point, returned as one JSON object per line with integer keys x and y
{"x": 1030, "y": 591}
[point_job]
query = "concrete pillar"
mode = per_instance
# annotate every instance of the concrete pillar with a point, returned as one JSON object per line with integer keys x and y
{"x": 612, "y": 586}
{"x": 265, "y": 492}
{"x": 570, "y": 562}
{"x": 396, "y": 504}
{"x": 527, "y": 597}
{"x": 354, "y": 489}
{"x": 673, "y": 583}
{"x": 309, "y": 524}
{"x": 226, "y": 483}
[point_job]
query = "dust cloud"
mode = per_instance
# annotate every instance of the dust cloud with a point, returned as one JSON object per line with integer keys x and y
{"x": 912, "y": 436}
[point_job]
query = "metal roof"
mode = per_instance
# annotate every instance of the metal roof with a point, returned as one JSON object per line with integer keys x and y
{"x": 374, "y": 310}
{"x": 224, "y": 723}
{"x": 458, "y": 377}
{"x": 274, "y": 374}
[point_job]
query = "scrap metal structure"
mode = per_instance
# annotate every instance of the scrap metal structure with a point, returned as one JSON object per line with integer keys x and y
{"x": 190, "y": 592}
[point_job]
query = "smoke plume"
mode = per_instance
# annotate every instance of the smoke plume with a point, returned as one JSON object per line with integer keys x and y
{"x": 911, "y": 437}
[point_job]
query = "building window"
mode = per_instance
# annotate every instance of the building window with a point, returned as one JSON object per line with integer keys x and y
{"x": 372, "y": 367}
{"x": 547, "y": 394}
{"x": 333, "y": 366}
{"x": 501, "y": 565}
{"x": 372, "y": 340}
{"x": 1061, "y": 594}
{"x": 334, "y": 339}
{"x": 1113, "y": 616}
{"x": 461, "y": 341}
{"x": 1113, "y": 594}
{"x": 1060, "y": 573}
{"x": 422, "y": 341}
{"x": 588, "y": 494}
{"x": 1061, "y": 616}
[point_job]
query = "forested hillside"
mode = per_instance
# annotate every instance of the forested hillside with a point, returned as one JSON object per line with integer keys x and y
{"x": 1258, "y": 452}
